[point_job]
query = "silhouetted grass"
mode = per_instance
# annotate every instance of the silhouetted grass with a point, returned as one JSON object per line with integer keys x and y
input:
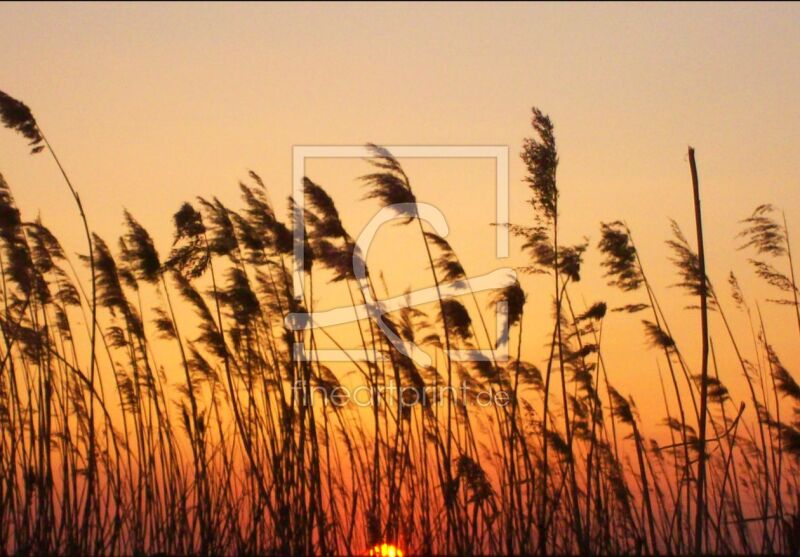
{"x": 101, "y": 454}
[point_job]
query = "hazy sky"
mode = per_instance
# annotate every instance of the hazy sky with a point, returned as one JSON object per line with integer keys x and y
{"x": 149, "y": 105}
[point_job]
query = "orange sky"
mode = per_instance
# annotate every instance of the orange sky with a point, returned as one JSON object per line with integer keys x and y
{"x": 150, "y": 105}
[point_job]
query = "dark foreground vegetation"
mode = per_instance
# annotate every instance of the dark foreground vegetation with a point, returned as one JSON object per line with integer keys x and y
{"x": 104, "y": 451}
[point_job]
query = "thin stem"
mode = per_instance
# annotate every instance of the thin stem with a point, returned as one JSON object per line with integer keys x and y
{"x": 701, "y": 463}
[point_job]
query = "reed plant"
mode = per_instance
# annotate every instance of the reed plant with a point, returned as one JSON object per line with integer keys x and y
{"x": 159, "y": 403}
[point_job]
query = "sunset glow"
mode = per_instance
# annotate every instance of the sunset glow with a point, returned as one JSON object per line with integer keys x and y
{"x": 385, "y": 550}
{"x": 456, "y": 278}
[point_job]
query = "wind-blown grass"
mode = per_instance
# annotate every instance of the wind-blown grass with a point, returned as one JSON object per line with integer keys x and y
{"x": 102, "y": 452}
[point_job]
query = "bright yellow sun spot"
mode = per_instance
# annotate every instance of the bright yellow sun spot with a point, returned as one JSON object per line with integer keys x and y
{"x": 385, "y": 550}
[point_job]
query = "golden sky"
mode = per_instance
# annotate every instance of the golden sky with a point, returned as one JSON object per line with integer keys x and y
{"x": 150, "y": 105}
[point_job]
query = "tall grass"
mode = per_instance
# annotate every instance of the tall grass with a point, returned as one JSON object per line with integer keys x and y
{"x": 103, "y": 450}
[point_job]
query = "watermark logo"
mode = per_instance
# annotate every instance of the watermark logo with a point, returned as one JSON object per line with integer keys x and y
{"x": 375, "y": 309}
{"x": 405, "y": 396}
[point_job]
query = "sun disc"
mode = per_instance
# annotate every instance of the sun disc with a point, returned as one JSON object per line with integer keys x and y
{"x": 385, "y": 550}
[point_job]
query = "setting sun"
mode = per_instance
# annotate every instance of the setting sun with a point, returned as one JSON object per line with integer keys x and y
{"x": 385, "y": 550}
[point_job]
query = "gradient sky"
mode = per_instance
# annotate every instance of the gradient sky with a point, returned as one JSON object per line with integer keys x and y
{"x": 150, "y": 105}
